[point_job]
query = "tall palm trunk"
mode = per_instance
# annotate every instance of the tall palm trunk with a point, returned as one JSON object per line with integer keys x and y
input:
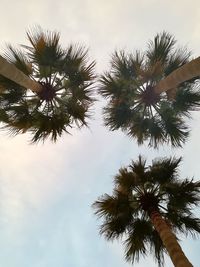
{"x": 9, "y": 71}
{"x": 184, "y": 73}
{"x": 169, "y": 240}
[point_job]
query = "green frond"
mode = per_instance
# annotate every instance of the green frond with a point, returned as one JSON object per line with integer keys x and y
{"x": 136, "y": 62}
{"x": 20, "y": 119}
{"x": 184, "y": 223}
{"x": 112, "y": 229}
{"x": 187, "y": 99}
{"x": 12, "y": 92}
{"x": 77, "y": 111}
{"x": 117, "y": 88}
{"x": 126, "y": 179}
{"x": 75, "y": 57}
{"x": 117, "y": 116}
{"x": 138, "y": 168}
{"x": 157, "y": 248}
{"x": 175, "y": 128}
{"x": 112, "y": 206}
{"x": 159, "y": 49}
{"x": 127, "y": 67}
{"x": 49, "y": 126}
{"x": 165, "y": 170}
{"x": 178, "y": 58}
{"x": 142, "y": 128}
{"x": 76, "y": 67}
{"x": 139, "y": 129}
{"x": 117, "y": 213}
{"x": 120, "y": 65}
{"x": 182, "y": 195}
{"x": 115, "y": 227}
{"x": 156, "y": 132}
{"x": 106, "y": 206}
{"x": 19, "y": 59}
{"x": 136, "y": 245}
{"x": 189, "y": 225}
{"x": 45, "y": 49}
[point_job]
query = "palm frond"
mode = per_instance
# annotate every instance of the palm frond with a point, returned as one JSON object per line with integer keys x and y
{"x": 156, "y": 132}
{"x": 49, "y": 126}
{"x": 184, "y": 223}
{"x": 183, "y": 195}
{"x": 45, "y": 49}
{"x": 117, "y": 115}
{"x": 126, "y": 179}
{"x": 20, "y": 119}
{"x": 19, "y": 59}
{"x": 139, "y": 129}
{"x": 117, "y": 88}
{"x": 187, "y": 99}
{"x": 165, "y": 170}
{"x": 139, "y": 169}
{"x": 175, "y": 128}
{"x": 176, "y": 59}
{"x": 12, "y": 92}
{"x": 136, "y": 245}
{"x": 116, "y": 212}
{"x": 159, "y": 49}
{"x": 189, "y": 225}
{"x": 120, "y": 65}
{"x": 157, "y": 248}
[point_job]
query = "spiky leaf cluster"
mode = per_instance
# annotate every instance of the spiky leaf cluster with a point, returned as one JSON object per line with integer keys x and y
{"x": 133, "y": 105}
{"x": 140, "y": 190}
{"x": 66, "y": 76}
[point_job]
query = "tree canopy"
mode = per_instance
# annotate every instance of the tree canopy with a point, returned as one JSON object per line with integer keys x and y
{"x": 138, "y": 191}
{"x": 133, "y": 105}
{"x": 66, "y": 77}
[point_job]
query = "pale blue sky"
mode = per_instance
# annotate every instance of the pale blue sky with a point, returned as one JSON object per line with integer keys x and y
{"x": 46, "y": 191}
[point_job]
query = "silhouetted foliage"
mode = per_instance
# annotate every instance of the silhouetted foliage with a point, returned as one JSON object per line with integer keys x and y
{"x": 133, "y": 105}
{"x": 66, "y": 77}
{"x": 140, "y": 190}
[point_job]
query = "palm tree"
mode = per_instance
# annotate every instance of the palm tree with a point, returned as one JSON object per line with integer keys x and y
{"x": 148, "y": 206}
{"x": 135, "y": 107}
{"x": 45, "y": 89}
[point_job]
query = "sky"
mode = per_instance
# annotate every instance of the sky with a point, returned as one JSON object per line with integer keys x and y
{"x": 46, "y": 190}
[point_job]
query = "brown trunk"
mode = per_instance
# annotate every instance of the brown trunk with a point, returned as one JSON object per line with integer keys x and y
{"x": 169, "y": 240}
{"x": 186, "y": 72}
{"x": 9, "y": 71}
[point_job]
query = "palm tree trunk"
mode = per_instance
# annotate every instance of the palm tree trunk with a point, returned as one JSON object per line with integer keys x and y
{"x": 9, "y": 71}
{"x": 184, "y": 73}
{"x": 169, "y": 240}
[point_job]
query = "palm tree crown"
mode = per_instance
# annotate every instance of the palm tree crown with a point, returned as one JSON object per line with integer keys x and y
{"x": 135, "y": 107}
{"x": 139, "y": 191}
{"x": 65, "y": 77}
